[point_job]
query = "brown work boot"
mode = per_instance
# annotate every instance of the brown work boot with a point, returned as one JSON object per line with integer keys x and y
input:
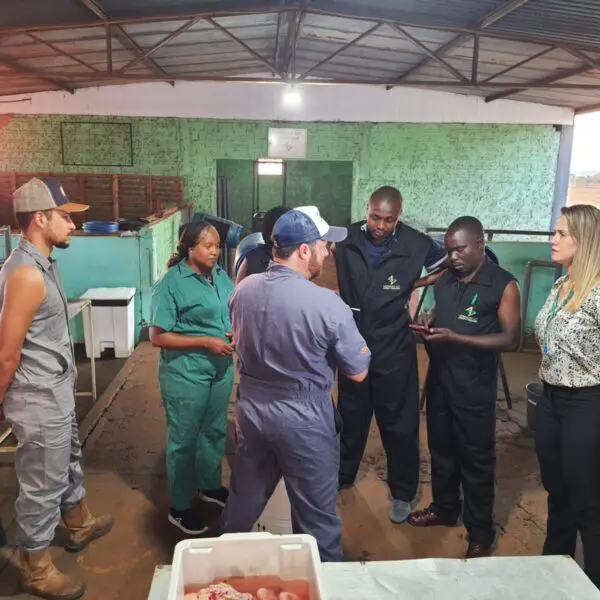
{"x": 40, "y": 577}
{"x": 83, "y": 528}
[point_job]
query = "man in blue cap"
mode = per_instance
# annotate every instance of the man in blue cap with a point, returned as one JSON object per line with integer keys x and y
{"x": 37, "y": 391}
{"x": 291, "y": 335}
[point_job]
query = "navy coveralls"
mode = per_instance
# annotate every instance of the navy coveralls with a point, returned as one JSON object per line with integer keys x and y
{"x": 378, "y": 289}
{"x": 461, "y": 401}
{"x": 290, "y": 336}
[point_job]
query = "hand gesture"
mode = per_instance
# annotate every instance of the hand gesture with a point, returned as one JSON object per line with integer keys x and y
{"x": 220, "y": 347}
{"x": 439, "y": 334}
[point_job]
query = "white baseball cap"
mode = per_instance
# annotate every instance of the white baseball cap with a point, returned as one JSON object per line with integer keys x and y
{"x": 303, "y": 225}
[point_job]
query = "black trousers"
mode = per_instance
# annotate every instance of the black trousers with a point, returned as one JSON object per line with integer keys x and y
{"x": 461, "y": 432}
{"x": 394, "y": 398}
{"x": 567, "y": 439}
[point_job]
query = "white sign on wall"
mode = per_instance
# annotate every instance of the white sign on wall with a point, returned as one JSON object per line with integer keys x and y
{"x": 287, "y": 143}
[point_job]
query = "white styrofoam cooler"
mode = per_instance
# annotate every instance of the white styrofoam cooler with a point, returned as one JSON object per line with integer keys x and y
{"x": 202, "y": 561}
{"x": 113, "y": 321}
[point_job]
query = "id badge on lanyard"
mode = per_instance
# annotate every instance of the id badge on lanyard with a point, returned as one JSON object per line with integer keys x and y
{"x": 554, "y": 310}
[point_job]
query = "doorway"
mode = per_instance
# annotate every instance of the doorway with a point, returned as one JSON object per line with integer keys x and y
{"x": 257, "y": 186}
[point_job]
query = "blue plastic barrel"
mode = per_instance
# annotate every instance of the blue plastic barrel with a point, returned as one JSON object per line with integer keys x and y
{"x": 249, "y": 243}
{"x": 229, "y": 231}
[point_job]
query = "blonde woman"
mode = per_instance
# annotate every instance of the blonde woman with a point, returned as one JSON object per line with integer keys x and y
{"x": 567, "y": 422}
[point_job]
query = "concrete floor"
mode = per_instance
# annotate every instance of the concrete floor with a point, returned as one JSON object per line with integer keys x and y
{"x": 124, "y": 463}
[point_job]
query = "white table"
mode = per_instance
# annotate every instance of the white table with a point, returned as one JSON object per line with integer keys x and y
{"x": 496, "y": 578}
{"x": 74, "y": 307}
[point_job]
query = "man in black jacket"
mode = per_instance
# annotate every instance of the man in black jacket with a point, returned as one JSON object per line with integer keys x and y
{"x": 377, "y": 266}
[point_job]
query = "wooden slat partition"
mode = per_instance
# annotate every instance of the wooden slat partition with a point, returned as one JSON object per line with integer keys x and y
{"x": 111, "y": 197}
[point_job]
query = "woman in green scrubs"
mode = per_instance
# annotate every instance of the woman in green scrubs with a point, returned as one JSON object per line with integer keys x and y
{"x": 190, "y": 324}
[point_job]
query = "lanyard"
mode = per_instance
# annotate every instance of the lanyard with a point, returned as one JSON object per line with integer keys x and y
{"x": 554, "y": 310}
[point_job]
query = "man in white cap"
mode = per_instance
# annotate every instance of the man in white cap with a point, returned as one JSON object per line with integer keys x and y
{"x": 37, "y": 391}
{"x": 290, "y": 336}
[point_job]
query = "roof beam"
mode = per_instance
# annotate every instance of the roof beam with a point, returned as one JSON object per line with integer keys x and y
{"x": 105, "y": 76}
{"x": 222, "y": 9}
{"x": 517, "y": 65}
{"x": 290, "y": 70}
{"x": 431, "y": 54}
{"x": 590, "y": 108}
{"x": 256, "y": 55}
{"x": 109, "y": 49}
{"x": 60, "y": 51}
{"x": 339, "y": 51}
{"x": 333, "y": 8}
{"x": 512, "y": 89}
{"x": 160, "y": 44}
{"x": 475, "y": 64}
{"x": 118, "y": 31}
{"x": 588, "y": 60}
{"x": 277, "y": 35}
{"x": 26, "y": 71}
{"x": 503, "y": 11}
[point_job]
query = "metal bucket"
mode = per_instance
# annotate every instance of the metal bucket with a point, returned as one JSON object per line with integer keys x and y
{"x": 534, "y": 390}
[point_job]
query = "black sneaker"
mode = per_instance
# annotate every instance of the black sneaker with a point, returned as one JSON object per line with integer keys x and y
{"x": 187, "y": 521}
{"x": 215, "y": 496}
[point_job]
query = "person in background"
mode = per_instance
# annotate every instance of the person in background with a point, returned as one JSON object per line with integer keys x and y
{"x": 258, "y": 260}
{"x": 477, "y": 315}
{"x": 378, "y": 266}
{"x": 567, "y": 416}
{"x": 290, "y": 336}
{"x": 190, "y": 324}
{"x": 37, "y": 391}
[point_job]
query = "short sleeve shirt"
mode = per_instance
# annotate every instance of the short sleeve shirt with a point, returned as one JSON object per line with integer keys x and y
{"x": 187, "y": 303}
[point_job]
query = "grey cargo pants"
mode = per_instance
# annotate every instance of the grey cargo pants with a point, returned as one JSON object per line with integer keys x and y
{"x": 48, "y": 468}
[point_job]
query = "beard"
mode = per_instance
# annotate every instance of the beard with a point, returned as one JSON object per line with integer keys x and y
{"x": 314, "y": 268}
{"x": 62, "y": 245}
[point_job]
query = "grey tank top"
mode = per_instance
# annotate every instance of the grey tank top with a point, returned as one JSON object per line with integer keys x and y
{"x": 47, "y": 360}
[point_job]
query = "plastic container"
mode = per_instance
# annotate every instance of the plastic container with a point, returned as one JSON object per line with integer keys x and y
{"x": 249, "y": 243}
{"x": 277, "y": 516}
{"x": 534, "y": 390}
{"x": 101, "y": 227}
{"x": 113, "y": 321}
{"x": 229, "y": 231}
{"x": 201, "y": 562}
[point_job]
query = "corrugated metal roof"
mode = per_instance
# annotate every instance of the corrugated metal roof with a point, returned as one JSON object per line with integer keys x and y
{"x": 528, "y": 50}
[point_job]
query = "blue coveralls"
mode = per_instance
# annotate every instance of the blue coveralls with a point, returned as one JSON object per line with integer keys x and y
{"x": 290, "y": 336}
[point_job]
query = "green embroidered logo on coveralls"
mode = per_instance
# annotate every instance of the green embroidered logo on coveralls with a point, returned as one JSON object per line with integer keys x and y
{"x": 470, "y": 314}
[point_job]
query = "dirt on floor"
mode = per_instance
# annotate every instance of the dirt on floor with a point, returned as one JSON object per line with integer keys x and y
{"x": 125, "y": 474}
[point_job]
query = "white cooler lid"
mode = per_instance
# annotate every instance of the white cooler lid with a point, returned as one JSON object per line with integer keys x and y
{"x": 116, "y": 293}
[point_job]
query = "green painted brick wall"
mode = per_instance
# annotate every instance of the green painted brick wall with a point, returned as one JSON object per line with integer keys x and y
{"x": 502, "y": 173}
{"x": 165, "y": 235}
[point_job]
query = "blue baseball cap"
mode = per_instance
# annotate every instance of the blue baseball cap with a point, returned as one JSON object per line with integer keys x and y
{"x": 304, "y": 225}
